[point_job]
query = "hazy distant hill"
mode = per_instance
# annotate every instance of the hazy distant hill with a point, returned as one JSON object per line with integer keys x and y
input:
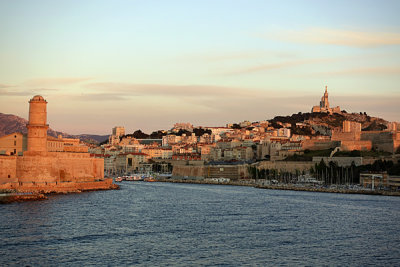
{"x": 11, "y": 123}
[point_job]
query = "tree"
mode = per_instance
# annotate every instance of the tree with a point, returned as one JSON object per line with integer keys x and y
{"x": 138, "y": 134}
{"x": 236, "y": 126}
{"x": 104, "y": 142}
{"x": 182, "y": 131}
{"x": 201, "y": 131}
{"x": 355, "y": 153}
{"x": 157, "y": 134}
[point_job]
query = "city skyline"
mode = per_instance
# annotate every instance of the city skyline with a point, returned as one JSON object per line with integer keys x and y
{"x": 148, "y": 64}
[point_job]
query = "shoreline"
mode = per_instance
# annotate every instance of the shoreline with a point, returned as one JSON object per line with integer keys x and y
{"x": 18, "y": 197}
{"x": 32, "y": 192}
{"x": 288, "y": 187}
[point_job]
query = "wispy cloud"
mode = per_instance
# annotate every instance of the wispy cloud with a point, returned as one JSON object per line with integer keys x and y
{"x": 233, "y": 56}
{"x": 15, "y": 92}
{"x": 364, "y": 71}
{"x": 99, "y": 97}
{"x": 5, "y": 86}
{"x": 18, "y": 91}
{"x": 55, "y": 81}
{"x": 128, "y": 89}
{"x": 340, "y": 37}
{"x": 273, "y": 66}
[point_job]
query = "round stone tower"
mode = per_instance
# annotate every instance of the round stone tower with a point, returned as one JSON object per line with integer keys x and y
{"x": 37, "y": 127}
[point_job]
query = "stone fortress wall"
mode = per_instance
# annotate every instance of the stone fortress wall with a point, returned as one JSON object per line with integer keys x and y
{"x": 38, "y": 167}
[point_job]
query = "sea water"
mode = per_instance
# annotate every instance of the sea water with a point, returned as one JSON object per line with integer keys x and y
{"x": 158, "y": 224}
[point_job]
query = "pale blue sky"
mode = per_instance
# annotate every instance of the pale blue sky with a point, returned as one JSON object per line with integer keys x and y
{"x": 148, "y": 64}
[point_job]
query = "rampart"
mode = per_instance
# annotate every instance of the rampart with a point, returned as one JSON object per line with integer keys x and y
{"x": 381, "y": 140}
{"x": 287, "y": 166}
{"x": 340, "y": 161}
{"x": 356, "y": 145}
{"x": 233, "y": 172}
{"x": 51, "y": 168}
{"x": 315, "y": 144}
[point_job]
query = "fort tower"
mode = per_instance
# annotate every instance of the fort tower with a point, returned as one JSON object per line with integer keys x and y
{"x": 37, "y": 127}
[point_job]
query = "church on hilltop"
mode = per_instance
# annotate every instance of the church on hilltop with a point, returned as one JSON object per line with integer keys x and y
{"x": 324, "y": 105}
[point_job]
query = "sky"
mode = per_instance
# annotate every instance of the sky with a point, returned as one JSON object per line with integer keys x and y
{"x": 149, "y": 64}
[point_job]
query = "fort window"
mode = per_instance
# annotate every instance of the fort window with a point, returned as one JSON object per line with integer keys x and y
{"x": 15, "y": 143}
{"x": 9, "y": 176}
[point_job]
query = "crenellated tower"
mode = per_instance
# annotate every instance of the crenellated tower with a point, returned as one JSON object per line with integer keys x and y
{"x": 37, "y": 127}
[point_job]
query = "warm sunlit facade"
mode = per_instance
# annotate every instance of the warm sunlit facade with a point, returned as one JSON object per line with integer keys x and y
{"x": 42, "y": 166}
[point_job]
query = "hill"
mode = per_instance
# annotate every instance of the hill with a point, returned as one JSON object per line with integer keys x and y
{"x": 11, "y": 123}
{"x": 324, "y": 123}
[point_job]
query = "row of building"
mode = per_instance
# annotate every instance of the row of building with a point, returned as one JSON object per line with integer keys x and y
{"x": 242, "y": 142}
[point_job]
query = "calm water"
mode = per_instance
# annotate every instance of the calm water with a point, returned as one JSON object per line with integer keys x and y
{"x": 154, "y": 224}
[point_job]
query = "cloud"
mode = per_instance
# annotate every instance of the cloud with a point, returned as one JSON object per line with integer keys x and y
{"x": 246, "y": 55}
{"x": 129, "y": 89}
{"x": 268, "y": 67}
{"x": 364, "y": 71}
{"x": 231, "y": 56}
{"x": 158, "y": 106}
{"x": 99, "y": 97}
{"x": 340, "y": 37}
{"x": 15, "y": 93}
{"x": 55, "y": 81}
{"x": 5, "y": 86}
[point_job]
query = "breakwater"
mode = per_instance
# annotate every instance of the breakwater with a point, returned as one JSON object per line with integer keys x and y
{"x": 329, "y": 190}
{"x": 286, "y": 187}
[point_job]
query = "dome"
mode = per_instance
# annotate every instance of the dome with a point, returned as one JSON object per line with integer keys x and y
{"x": 37, "y": 98}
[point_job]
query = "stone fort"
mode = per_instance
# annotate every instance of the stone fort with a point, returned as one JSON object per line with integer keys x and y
{"x": 46, "y": 167}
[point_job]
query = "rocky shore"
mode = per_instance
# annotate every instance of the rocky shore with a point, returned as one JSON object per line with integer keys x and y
{"x": 31, "y": 191}
{"x": 6, "y": 198}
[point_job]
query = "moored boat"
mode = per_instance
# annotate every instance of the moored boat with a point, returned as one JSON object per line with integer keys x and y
{"x": 149, "y": 179}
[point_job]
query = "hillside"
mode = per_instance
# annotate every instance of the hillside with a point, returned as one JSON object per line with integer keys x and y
{"x": 11, "y": 123}
{"x": 329, "y": 122}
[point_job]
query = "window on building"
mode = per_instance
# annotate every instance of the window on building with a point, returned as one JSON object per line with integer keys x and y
{"x": 15, "y": 143}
